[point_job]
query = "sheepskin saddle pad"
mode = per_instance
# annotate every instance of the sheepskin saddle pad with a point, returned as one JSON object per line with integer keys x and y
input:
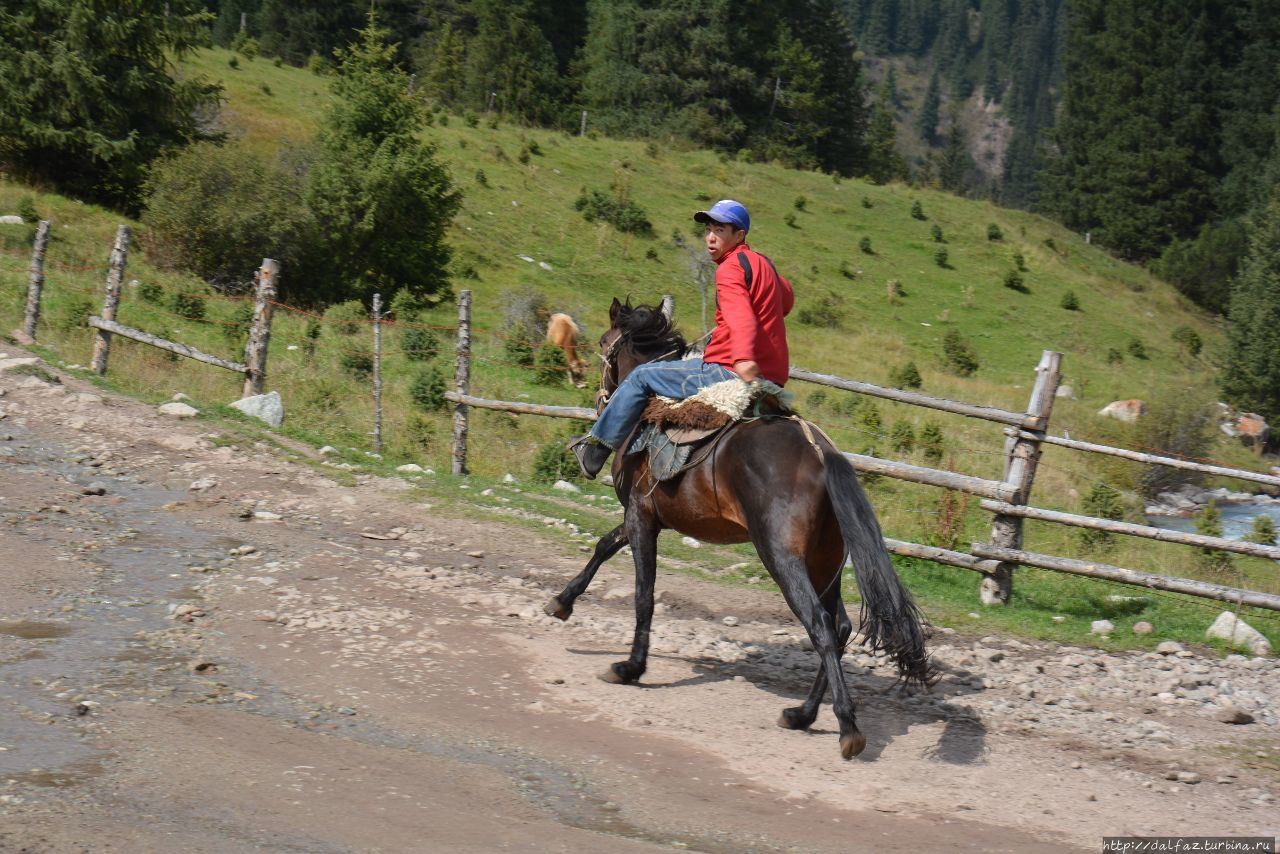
{"x": 670, "y": 429}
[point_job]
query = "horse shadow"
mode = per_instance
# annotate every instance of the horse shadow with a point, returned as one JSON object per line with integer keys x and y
{"x": 887, "y": 710}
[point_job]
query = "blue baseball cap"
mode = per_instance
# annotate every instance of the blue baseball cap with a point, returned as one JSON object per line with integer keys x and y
{"x": 727, "y": 211}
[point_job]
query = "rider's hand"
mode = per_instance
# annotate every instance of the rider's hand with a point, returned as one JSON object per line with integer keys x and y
{"x": 747, "y": 370}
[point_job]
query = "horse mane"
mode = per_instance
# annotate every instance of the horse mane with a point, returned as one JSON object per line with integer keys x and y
{"x": 648, "y": 332}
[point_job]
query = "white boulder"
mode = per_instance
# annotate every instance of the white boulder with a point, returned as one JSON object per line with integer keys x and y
{"x": 265, "y": 407}
{"x": 1101, "y": 627}
{"x": 1235, "y": 631}
{"x": 178, "y": 410}
{"x": 565, "y": 486}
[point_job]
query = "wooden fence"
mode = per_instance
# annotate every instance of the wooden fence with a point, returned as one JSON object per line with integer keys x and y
{"x": 1006, "y": 499}
{"x": 254, "y": 367}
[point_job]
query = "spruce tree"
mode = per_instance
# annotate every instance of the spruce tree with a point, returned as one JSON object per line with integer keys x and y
{"x": 1209, "y": 524}
{"x": 927, "y": 119}
{"x": 295, "y": 29}
{"x": 380, "y": 198}
{"x": 1250, "y": 378}
{"x": 956, "y": 165}
{"x": 442, "y": 68}
{"x": 1262, "y": 531}
{"x": 88, "y": 92}
{"x": 1102, "y": 502}
{"x": 510, "y": 62}
{"x": 884, "y": 163}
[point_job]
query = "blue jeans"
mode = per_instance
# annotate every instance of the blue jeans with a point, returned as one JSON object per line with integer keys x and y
{"x": 676, "y": 380}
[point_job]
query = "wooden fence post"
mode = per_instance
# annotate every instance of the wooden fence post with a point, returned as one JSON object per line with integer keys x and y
{"x": 1021, "y": 456}
{"x": 36, "y": 284}
{"x": 462, "y": 382}
{"x": 377, "y": 373}
{"x": 115, "y": 276}
{"x": 255, "y": 349}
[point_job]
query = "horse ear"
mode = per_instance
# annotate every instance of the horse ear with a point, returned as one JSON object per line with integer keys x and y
{"x": 668, "y": 306}
{"x": 614, "y": 309}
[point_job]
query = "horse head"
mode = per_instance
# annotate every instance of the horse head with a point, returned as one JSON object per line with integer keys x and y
{"x": 636, "y": 335}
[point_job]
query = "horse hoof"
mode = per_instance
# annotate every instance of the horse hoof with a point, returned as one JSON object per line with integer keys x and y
{"x": 557, "y": 610}
{"x": 794, "y": 718}
{"x": 621, "y": 673}
{"x": 852, "y": 744}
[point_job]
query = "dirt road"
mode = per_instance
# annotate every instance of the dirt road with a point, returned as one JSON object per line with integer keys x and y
{"x": 222, "y": 650}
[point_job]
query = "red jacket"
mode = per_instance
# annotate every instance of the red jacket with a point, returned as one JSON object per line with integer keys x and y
{"x": 751, "y": 301}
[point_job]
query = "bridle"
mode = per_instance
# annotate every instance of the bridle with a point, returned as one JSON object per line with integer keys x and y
{"x": 607, "y": 356}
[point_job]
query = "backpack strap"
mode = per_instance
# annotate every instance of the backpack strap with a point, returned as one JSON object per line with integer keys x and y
{"x": 745, "y": 263}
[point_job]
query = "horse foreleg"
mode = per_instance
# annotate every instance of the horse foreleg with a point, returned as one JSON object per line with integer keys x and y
{"x": 642, "y": 534}
{"x": 609, "y": 545}
{"x": 803, "y": 716}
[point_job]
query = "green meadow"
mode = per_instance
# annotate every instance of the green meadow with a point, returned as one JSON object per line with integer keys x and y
{"x": 863, "y": 266}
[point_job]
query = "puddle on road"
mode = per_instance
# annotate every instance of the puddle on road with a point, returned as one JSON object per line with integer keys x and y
{"x": 70, "y": 774}
{"x": 30, "y": 630}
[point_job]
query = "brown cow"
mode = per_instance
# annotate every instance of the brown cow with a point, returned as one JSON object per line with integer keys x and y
{"x": 563, "y": 333}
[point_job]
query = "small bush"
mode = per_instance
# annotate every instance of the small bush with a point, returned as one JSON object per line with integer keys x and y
{"x": 1188, "y": 340}
{"x": 1209, "y": 524}
{"x": 958, "y": 354}
{"x": 931, "y": 442}
{"x": 151, "y": 293}
{"x": 523, "y": 157}
{"x": 266, "y": 90}
{"x": 790, "y": 220}
{"x": 481, "y": 178}
{"x": 27, "y": 210}
{"x": 917, "y": 211}
{"x": 316, "y": 65}
{"x": 346, "y": 318}
{"x": 358, "y": 365}
{"x": 903, "y": 437}
{"x": 1013, "y": 281}
{"x": 651, "y": 254}
{"x": 846, "y": 404}
{"x": 554, "y": 461}
{"x": 651, "y": 150}
{"x": 871, "y": 418}
{"x": 1020, "y": 262}
{"x": 471, "y": 119}
{"x": 237, "y": 329}
{"x": 907, "y": 376}
{"x": 189, "y": 304}
{"x": 75, "y": 313}
{"x": 1069, "y": 301}
{"x": 800, "y": 203}
{"x": 1103, "y": 502}
{"x": 420, "y": 432}
{"x": 868, "y": 478}
{"x": 233, "y": 63}
{"x": 617, "y": 210}
{"x": 894, "y": 289}
{"x": 1050, "y": 243}
{"x": 825, "y": 312}
{"x": 1136, "y": 348}
{"x": 278, "y": 62}
{"x": 935, "y": 231}
{"x": 866, "y": 203}
{"x": 427, "y": 390}
{"x": 847, "y": 271}
{"x": 1114, "y": 356}
{"x": 552, "y": 367}
{"x": 1263, "y": 531}
{"x": 994, "y": 232}
{"x": 419, "y": 345}
{"x": 940, "y": 257}
{"x": 517, "y": 346}
{"x": 817, "y": 399}
{"x": 865, "y": 245}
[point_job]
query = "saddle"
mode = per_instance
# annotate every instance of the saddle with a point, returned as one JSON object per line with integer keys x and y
{"x": 670, "y": 430}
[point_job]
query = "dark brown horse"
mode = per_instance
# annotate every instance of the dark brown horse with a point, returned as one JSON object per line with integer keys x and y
{"x": 793, "y": 496}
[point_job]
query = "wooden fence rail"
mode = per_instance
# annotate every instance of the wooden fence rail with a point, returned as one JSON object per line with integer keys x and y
{"x": 1006, "y": 499}
{"x": 171, "y": 346}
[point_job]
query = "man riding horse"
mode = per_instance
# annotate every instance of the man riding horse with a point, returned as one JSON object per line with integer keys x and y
{"x": 749, "y": 340}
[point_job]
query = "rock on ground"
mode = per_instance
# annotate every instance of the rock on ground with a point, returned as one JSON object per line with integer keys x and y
{"x": 1230, "y": 628}
{"x": 265, "y": 407}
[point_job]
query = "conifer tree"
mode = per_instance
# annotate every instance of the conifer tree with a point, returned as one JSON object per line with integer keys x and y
{"x": 1250, "y": 378}
{"x": 510, "y": 62}
{"x": 380, "y": 198}
{"x": 1209, "y": 524}
{"x": 88, "y": 93}
{"x": 1262, "y": 531}
{"x": 927, "y": 118}
{"x": 956, "y": 165}
{"x": 884, "y": 163}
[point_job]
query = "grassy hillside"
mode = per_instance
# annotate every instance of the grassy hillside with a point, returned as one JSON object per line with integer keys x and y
{"x": 808, "y": 223}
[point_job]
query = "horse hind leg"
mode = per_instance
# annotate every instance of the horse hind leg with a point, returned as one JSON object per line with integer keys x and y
{"x": 803, "y": 716}
{"x": 561, "y": 606}
{"x": 792, "y": 576}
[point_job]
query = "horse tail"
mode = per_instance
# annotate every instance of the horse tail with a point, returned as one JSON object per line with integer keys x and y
{"x": 890, "y": 620}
